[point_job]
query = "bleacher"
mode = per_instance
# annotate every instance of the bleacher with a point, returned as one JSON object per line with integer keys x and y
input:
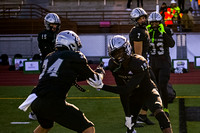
{"x": 82, "y": 16}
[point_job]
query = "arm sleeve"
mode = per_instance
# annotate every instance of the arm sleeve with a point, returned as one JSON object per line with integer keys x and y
{"x": 83, "y": 69}
{"x": 129, "y": 87}
{"x": 168, "y": 40}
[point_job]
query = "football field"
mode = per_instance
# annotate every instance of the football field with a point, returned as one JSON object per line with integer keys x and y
{"x": 102, "y": 108}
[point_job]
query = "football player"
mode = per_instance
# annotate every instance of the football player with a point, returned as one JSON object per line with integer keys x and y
{"x": 61, "y": 69}
{"x": 46, "y": 40}
{"x": 160, "y": 61}
{"x": 131, "y": 73}
{"x": 139, "y": 39}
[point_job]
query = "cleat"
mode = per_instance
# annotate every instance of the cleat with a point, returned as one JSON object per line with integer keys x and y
{"x": 130, "y": 131}
{"x": 138, "y": 125}
{"x": 32, "y": 116}
{"x": 145, "y": 119}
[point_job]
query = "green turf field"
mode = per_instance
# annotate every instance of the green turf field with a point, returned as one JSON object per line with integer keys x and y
{"x": 102, "y": 108}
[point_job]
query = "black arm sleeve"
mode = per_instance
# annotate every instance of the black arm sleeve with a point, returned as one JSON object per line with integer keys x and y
{"x": 129, "y": 87}
{"x": 168, "y": 40}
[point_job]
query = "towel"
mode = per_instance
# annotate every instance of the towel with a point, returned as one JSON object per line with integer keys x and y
{"x": 25, "y": 105}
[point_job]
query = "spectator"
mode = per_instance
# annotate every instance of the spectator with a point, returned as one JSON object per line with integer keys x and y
{"x": 131, "y": 73}
{"x": 4, "y": 59}
{"x": 139, "y": 4}
{"x": 128, "y": 6}
{"x": 187, "y": 21}
{"x": 159, "y": 60}
{"x": 195, "y": 7}
{"x": 168, "y": 18}
{"x": 175, "y": 11}
{"x": 181, "y": 4}
{"x": 163, "y": 9}
{"x": 62, "y": 69}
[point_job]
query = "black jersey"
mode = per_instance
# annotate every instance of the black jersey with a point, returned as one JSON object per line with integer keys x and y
{"x": 130, "y": 76}
{"x": 159, "y": 44}
{"x": 159, "y": 48}
{"x": 140, "y": 34}
{"x": 60, "y": 70}
{"x": 46, "y": 42}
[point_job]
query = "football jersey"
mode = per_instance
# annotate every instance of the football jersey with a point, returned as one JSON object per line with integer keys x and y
{"x": 60, "y": 70}
{"x": 140, "y": 34}
{"x": 133, "y": 75}
{"x": 160, "y": 45}
{"x": 159, "y": 48}
{"x": 46, "y": 42}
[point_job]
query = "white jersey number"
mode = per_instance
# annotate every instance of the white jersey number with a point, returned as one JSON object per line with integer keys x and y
{"x": 52, "y": 70}
{"x": 159, "y": 50}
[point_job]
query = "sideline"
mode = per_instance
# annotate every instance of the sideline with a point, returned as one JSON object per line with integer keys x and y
{"x": 97, "y": 97}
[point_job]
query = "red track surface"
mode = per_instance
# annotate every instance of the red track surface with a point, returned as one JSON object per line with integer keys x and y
{"x": 18, "y": 78}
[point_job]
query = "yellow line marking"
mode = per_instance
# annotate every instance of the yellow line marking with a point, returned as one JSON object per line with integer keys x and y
{"x": 188, "y": 97}
{"x": 6, "y": 98}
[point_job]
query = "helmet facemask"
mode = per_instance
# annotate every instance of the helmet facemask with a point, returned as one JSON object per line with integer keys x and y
{"x": 119, "y": 48}
{"x": 155, "y": 19}
{"x": 52, "y": 22}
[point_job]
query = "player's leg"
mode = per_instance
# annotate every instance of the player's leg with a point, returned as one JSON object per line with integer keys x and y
{"x": 40, "y": 129}
{"x": 142, "y": 117}
{"x": 163, "y": 120}
{"x": 89, "y": 130}
{"x": 164, "y": 75}
{"x": 136, "y": 101}
{"x": 154, "y": 103}
{"x": 71, "y": 117}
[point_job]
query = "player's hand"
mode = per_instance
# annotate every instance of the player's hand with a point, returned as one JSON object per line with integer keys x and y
{"x": 97, "y": 82}
{"x": 148, "y": 27}
{"x": 161, "y": 28}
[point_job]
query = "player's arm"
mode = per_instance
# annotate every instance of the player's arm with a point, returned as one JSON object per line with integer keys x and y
{"x": 168, "y": 39}
{"x": 129, "y": 87}
{"x": 138, "y": 47}
{"x": 84, "y": 70}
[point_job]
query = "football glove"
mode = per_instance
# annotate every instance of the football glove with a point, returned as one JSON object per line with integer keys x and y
{"x": 128, "y": 122}
{"x": 97, "y": 82}
{"x": 161, "y": 29}
{"x": 148, "y": 27}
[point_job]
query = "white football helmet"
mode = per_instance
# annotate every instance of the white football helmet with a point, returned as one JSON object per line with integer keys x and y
{"x": 119, "y": 47}
{"x": 52, "y": 18}
{"x": 69, "y": 39}
{"x": 136, "y": 13}
{"x": 154, "y": 16}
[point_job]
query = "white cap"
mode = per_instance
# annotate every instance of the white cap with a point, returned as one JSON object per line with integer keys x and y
{"x": 173, "y": 2}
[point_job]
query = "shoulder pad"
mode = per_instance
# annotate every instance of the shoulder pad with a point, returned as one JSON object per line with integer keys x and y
{"x": 81, "y": 56}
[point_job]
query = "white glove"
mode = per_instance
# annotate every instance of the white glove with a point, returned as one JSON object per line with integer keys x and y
{"x": 97, "y": 82}
{"x": 128, "y": 122}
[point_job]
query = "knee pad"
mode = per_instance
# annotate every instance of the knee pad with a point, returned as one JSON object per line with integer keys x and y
{"x": 163, "y": 120}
